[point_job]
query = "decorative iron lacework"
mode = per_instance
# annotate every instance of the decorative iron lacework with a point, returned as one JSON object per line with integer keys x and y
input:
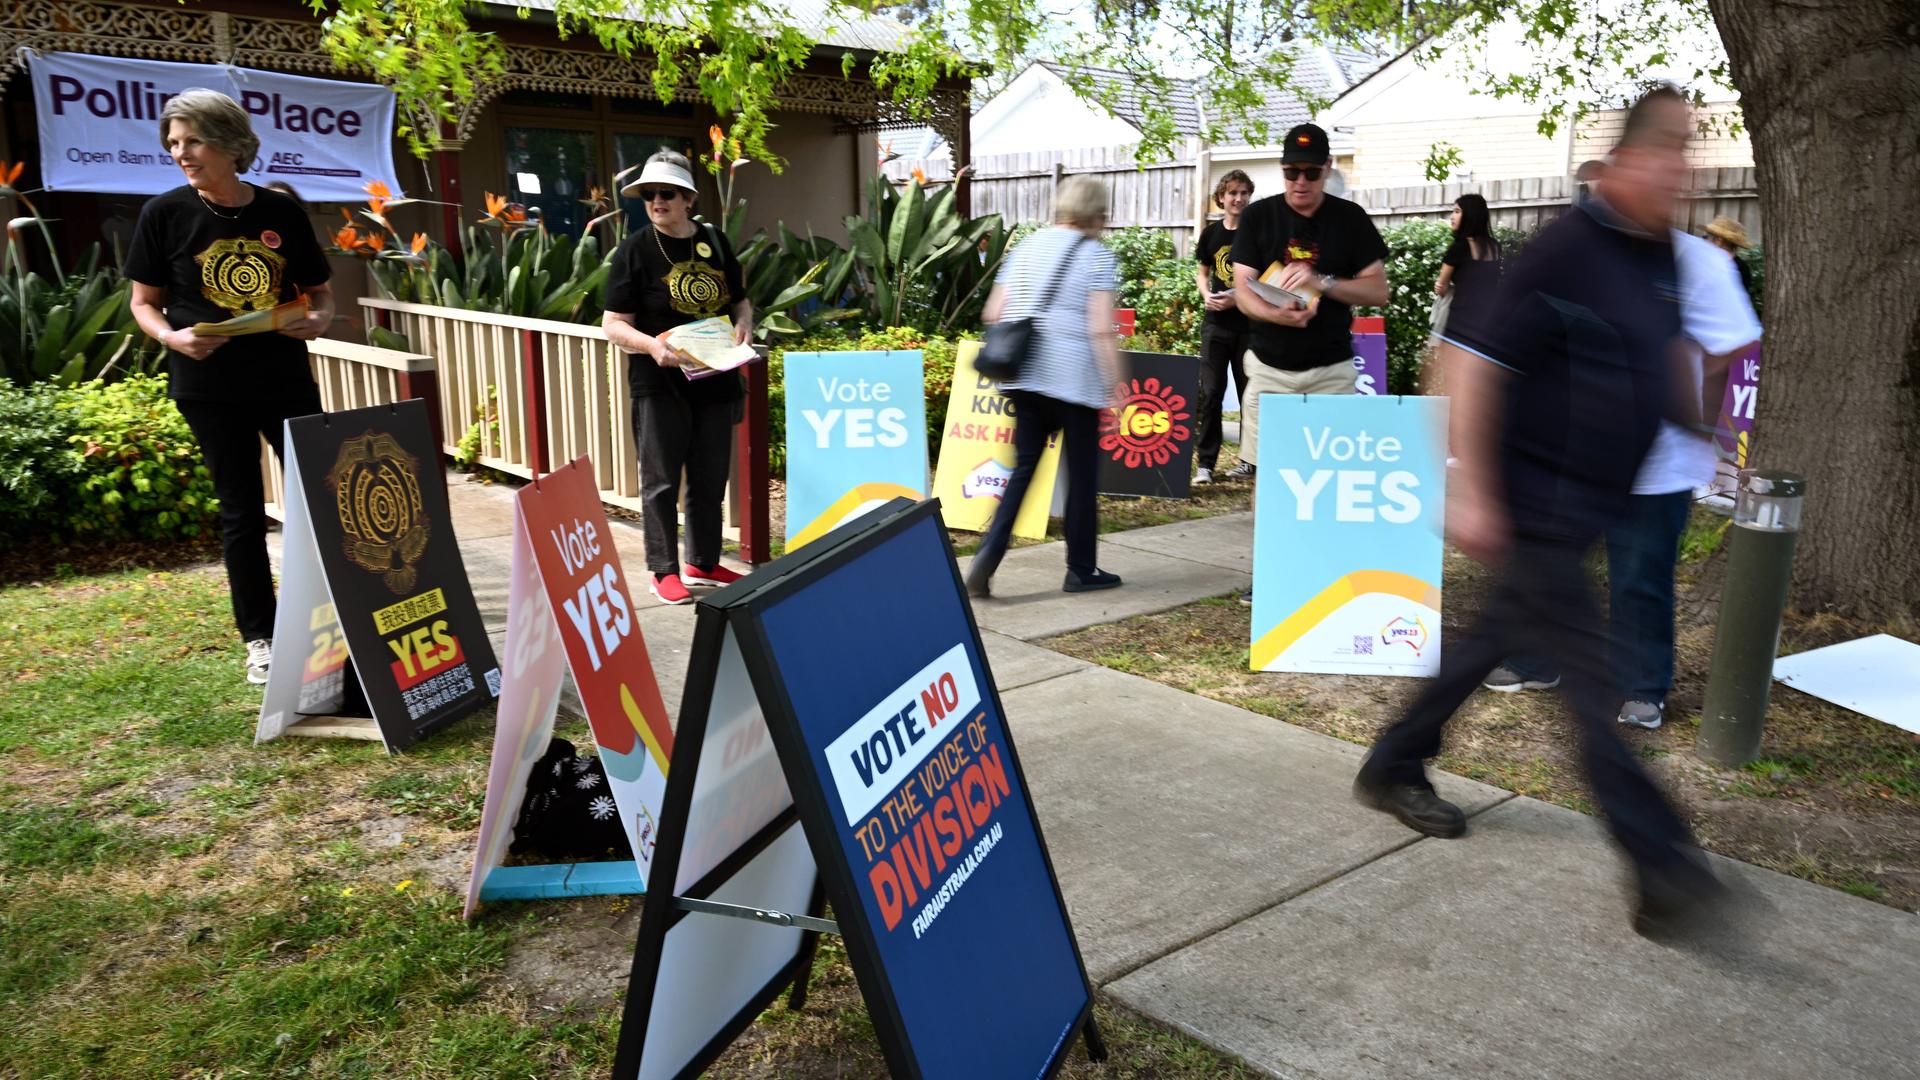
{"x": 195, "y": 35}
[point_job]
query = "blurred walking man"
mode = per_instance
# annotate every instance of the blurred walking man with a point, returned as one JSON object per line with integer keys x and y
{"x": 1559, "y": 393}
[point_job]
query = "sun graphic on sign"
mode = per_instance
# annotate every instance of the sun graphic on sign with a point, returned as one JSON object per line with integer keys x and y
{"x": 1147, "y": 425}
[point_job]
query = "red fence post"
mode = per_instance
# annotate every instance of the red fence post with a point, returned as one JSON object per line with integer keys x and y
{"x": 426, "y": 386}
{"x": 446, "y": 169}
{"x": 750, "y": 450}
{"x": 535, "y": 379}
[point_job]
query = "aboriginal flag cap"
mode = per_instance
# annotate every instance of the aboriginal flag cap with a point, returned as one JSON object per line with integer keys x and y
{"x": 1305, "y": 144}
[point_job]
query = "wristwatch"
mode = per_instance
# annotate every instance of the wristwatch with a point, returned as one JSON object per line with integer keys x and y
{"x": 1327, "y": 282}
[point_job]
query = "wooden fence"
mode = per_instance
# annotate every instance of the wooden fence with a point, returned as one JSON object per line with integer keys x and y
{"x": 1529, "y": 203}
{"x": 1168, "y": 195}
{"x": 541, "y": 393}
{"x": 1020, "y": 187}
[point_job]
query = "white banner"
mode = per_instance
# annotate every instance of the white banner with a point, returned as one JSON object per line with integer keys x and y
{"x": 99, "y": 120}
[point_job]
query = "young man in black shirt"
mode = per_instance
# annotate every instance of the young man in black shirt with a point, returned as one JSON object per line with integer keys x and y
{"x": 1558, "y": 390}
{"x": 1223, "y": 335}
{"x": 1318, "y": 246}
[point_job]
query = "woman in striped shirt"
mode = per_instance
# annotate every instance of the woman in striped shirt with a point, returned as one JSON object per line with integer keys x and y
{"x": 1064, "y": 280}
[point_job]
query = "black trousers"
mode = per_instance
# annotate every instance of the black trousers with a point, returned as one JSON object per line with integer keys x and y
{"x": 1035, "y": 418}
{"x": 674, "y": 435}
{"x": 1222, "y": 351}
{"x": 229, "y": 436}
{"x": 1543, "y": 605}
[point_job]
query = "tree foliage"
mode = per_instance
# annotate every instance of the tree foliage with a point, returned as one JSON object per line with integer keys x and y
{"x": 735, "y": 54}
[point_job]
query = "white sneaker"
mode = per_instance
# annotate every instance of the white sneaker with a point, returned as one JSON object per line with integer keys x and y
{"x": 1646, "y": 714}
{"x": 1203, "y": 476}
{"x": 259, "y": 656}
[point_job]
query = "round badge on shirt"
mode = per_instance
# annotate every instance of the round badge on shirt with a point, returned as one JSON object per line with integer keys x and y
{"x": 705, "y": 251}
{"x": 270, "y": 238}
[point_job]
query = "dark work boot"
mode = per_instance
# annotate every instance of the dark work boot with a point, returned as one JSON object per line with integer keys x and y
{"x": 1088, "y": 582}
{"x": 1417, "y": 807}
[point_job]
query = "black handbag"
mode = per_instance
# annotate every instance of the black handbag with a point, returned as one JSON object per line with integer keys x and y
{"x": 1009, "y": 341}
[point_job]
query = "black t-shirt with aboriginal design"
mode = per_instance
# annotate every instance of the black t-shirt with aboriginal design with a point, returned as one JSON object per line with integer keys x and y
{"x": 215, "y": 266}
{"x": 665, "y": 281}
{"x": 1215, "y": 253}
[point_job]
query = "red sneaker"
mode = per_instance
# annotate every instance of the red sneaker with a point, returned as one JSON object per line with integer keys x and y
{"x": 712, "y": 575}
{"x": 668, "y": 588}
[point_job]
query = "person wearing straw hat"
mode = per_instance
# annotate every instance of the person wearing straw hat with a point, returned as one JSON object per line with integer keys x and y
{"x": 672, "y": 272}
{"x": 1731, "y": 237}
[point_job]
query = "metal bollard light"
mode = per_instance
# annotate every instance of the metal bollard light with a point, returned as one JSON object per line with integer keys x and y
{"x": 1766, "y": 523}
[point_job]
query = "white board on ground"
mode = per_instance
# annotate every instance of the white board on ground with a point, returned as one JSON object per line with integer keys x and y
{"x": 1876, "y": 676}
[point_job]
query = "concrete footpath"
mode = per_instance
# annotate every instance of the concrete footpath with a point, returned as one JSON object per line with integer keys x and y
{"x": 1223, "y": 882}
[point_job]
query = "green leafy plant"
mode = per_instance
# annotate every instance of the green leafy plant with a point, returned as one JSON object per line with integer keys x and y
{"x": 511, "y": 263}
{"x": 919, "y": 263}
{"x": 38, "y": 470}
{"x": 1166, "y": 306}
{"x": 113, "y": 461}
{"x": 68, "y": 326}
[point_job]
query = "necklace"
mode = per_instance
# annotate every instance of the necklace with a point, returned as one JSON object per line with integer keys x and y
{"x": 215, "y": 211}
{"x": 661, "y": 244}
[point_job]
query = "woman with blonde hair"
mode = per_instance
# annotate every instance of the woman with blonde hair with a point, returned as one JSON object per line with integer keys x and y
{"x": 212, "y": 249}
{"x": 1063, "y": 279}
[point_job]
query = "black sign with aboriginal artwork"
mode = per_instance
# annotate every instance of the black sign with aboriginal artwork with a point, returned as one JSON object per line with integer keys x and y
{"x": 376, "y": 496}
{"x": 1146, "y": 440}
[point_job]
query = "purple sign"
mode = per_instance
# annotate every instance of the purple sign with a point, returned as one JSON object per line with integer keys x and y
{"x": 1733, "y": 433}
{"x": 1370, "y": 360}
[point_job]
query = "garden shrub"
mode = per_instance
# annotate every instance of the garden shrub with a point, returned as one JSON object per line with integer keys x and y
{"x": 141, "y": 475}
{"x": 38, "y": 470}
{"x": 105, "y": 461}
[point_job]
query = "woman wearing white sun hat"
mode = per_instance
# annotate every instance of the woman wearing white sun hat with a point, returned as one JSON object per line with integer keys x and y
{"x": 675, "y": 271}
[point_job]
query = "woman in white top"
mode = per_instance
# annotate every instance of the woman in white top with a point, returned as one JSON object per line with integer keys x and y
{"x": 1069, "y": 375}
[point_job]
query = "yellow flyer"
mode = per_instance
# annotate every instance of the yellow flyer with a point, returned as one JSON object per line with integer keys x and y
{"x": 976, "y": 456}
{"x": 256, "y": 322}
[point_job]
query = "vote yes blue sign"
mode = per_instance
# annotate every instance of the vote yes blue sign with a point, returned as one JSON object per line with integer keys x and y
{"x": 1347, "y": 534}
{"x": 856, "y": 437}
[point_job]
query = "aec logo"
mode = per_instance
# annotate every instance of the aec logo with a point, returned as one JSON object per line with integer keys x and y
{"x": 1147, "y": 425}
{"x": 1404, "y": 631}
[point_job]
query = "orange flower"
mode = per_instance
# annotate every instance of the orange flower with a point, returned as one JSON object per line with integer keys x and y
{"x": 350, "y": 240}
{"x": 378, "y": 195}
{"x": 918, "y": 176}
{"x": 419, "y": 242}
{"x": 9, "y": 175}
{"x": 719, "y": 142}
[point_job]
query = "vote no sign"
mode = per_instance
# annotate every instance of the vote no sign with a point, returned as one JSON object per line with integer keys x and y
{"x": 1347, "y": 535}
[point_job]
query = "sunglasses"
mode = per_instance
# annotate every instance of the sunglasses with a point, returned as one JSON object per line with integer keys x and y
{"x": 657, "y": 194}
{"x": 1309, "y": 172}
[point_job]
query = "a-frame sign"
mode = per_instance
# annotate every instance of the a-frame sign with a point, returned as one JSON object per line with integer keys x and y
{"x": 851, "y": 674}
{"x": 372, "y": 585}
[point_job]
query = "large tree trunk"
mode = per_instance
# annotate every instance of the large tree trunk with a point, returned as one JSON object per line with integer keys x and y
{"x": 1831, "y": 94}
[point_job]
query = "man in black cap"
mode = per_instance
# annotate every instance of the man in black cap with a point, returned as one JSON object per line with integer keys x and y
{"x": 1324, "y": 251}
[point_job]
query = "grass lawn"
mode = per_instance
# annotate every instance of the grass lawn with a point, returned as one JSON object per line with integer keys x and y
{"x": 1835, "y": 800}
{"x": 175, "y": 902}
